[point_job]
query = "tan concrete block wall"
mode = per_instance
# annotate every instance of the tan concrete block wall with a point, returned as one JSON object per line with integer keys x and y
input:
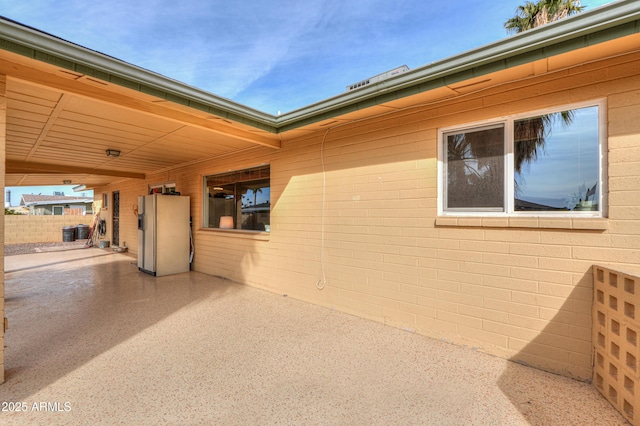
{"x": 510, "y": 288}
{"x": 20, "y": 229}
{"x": 3, "y": 156}
{"x": 616, "y": 327}
{"x": 129, "y": 191}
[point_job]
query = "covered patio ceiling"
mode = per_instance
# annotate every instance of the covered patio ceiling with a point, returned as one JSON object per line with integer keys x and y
{"x": 60, "y": 124}
{"x": 66, "y": 104}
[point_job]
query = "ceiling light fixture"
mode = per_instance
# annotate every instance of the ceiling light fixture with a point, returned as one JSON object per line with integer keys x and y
{"x": 113, "y": 153}
{"x": 66, "y": 182}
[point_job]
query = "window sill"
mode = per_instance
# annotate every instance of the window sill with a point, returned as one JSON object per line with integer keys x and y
{"x": 235, "y": 233}
{"x": 567, "y": 223}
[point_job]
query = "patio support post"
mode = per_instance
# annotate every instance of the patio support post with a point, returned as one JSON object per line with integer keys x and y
{"x": 3, "y": 155}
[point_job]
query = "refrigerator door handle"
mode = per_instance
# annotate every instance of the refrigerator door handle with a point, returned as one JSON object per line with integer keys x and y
{"x": 141, "y": 221}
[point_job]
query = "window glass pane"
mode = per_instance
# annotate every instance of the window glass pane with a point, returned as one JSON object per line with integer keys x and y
{"x": 255, "y": 205}
{"x": 475, "y": 169}
{"x": 221, "y": 204}
{"x": 556, "y": 163}
{"x": 238, "y": 200}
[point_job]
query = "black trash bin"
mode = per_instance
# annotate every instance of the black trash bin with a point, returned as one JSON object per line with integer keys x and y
{"x": 82, "y": 232}
{"x": 68, "y": 234}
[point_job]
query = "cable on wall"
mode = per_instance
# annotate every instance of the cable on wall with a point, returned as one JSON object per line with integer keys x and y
{"x": 322, "y": 281}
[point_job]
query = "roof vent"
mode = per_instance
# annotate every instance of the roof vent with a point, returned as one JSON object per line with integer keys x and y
{"x": 385, "y": 75}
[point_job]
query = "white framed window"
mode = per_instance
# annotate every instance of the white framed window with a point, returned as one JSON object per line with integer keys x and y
{"x": 238, "y": 200}
{"x": 542, "y": 163}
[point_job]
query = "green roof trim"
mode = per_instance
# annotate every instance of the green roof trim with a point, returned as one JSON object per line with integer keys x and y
{"x": 615, "y": 20}
{"x": 151, "y": 91}
{"x": 16, "y": 48}
{"x": 53, "y": 60}
{"x": 82, "y": 69}
{"x": 125, "y": 82}
{"x": 583, "y": 30}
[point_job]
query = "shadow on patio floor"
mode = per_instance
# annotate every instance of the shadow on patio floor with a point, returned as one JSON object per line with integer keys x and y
{"x": 124, "y": 347}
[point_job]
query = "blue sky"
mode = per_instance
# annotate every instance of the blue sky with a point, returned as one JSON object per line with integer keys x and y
{"x": 272, "y": 55}
{"x": 267, "y": 54}
{"x": 552, "y": 180}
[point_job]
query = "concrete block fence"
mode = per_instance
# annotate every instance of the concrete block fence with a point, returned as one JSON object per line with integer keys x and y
{"x": 21, "y": 229}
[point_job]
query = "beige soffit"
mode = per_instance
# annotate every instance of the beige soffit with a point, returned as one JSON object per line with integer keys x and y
{"x": 618, "y": 19}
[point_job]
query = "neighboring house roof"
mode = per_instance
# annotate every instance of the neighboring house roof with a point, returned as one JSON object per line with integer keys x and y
{"x": 18, "y": 209}
{"x": 33, "y": 199}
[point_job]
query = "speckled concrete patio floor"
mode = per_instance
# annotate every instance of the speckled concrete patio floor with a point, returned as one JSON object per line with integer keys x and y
{"x": 100, "y": 343}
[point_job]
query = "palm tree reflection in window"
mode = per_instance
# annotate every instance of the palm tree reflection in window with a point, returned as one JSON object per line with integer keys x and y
{"x": 555, "y": 164}
{"x": 530, "y": 134}
{"x": 475, "y": 164}
{"x": 556, "y": 161}
{"x": 529, "y": 143}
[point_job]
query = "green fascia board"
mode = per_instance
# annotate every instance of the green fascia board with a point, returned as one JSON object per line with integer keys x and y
{"x": 125, "y": 82}
{"x": 608, "y": 22}
{"x": 92, "y": 72}
{"x": 29, "y": 42}
{"x": 18, "y": 48}
{"x": 53, "y": 60}
{"x": 152, "y": 91}
{"x": 586, "y": 29}
{"x": 177, "y": 99}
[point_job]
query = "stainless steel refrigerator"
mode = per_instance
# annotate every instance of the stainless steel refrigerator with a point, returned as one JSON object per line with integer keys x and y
{"x": 163, "y": 234}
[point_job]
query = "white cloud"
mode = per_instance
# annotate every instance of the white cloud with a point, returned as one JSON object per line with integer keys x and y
{"x": 280, "y": 54}
{"x": 224, "y": 47}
